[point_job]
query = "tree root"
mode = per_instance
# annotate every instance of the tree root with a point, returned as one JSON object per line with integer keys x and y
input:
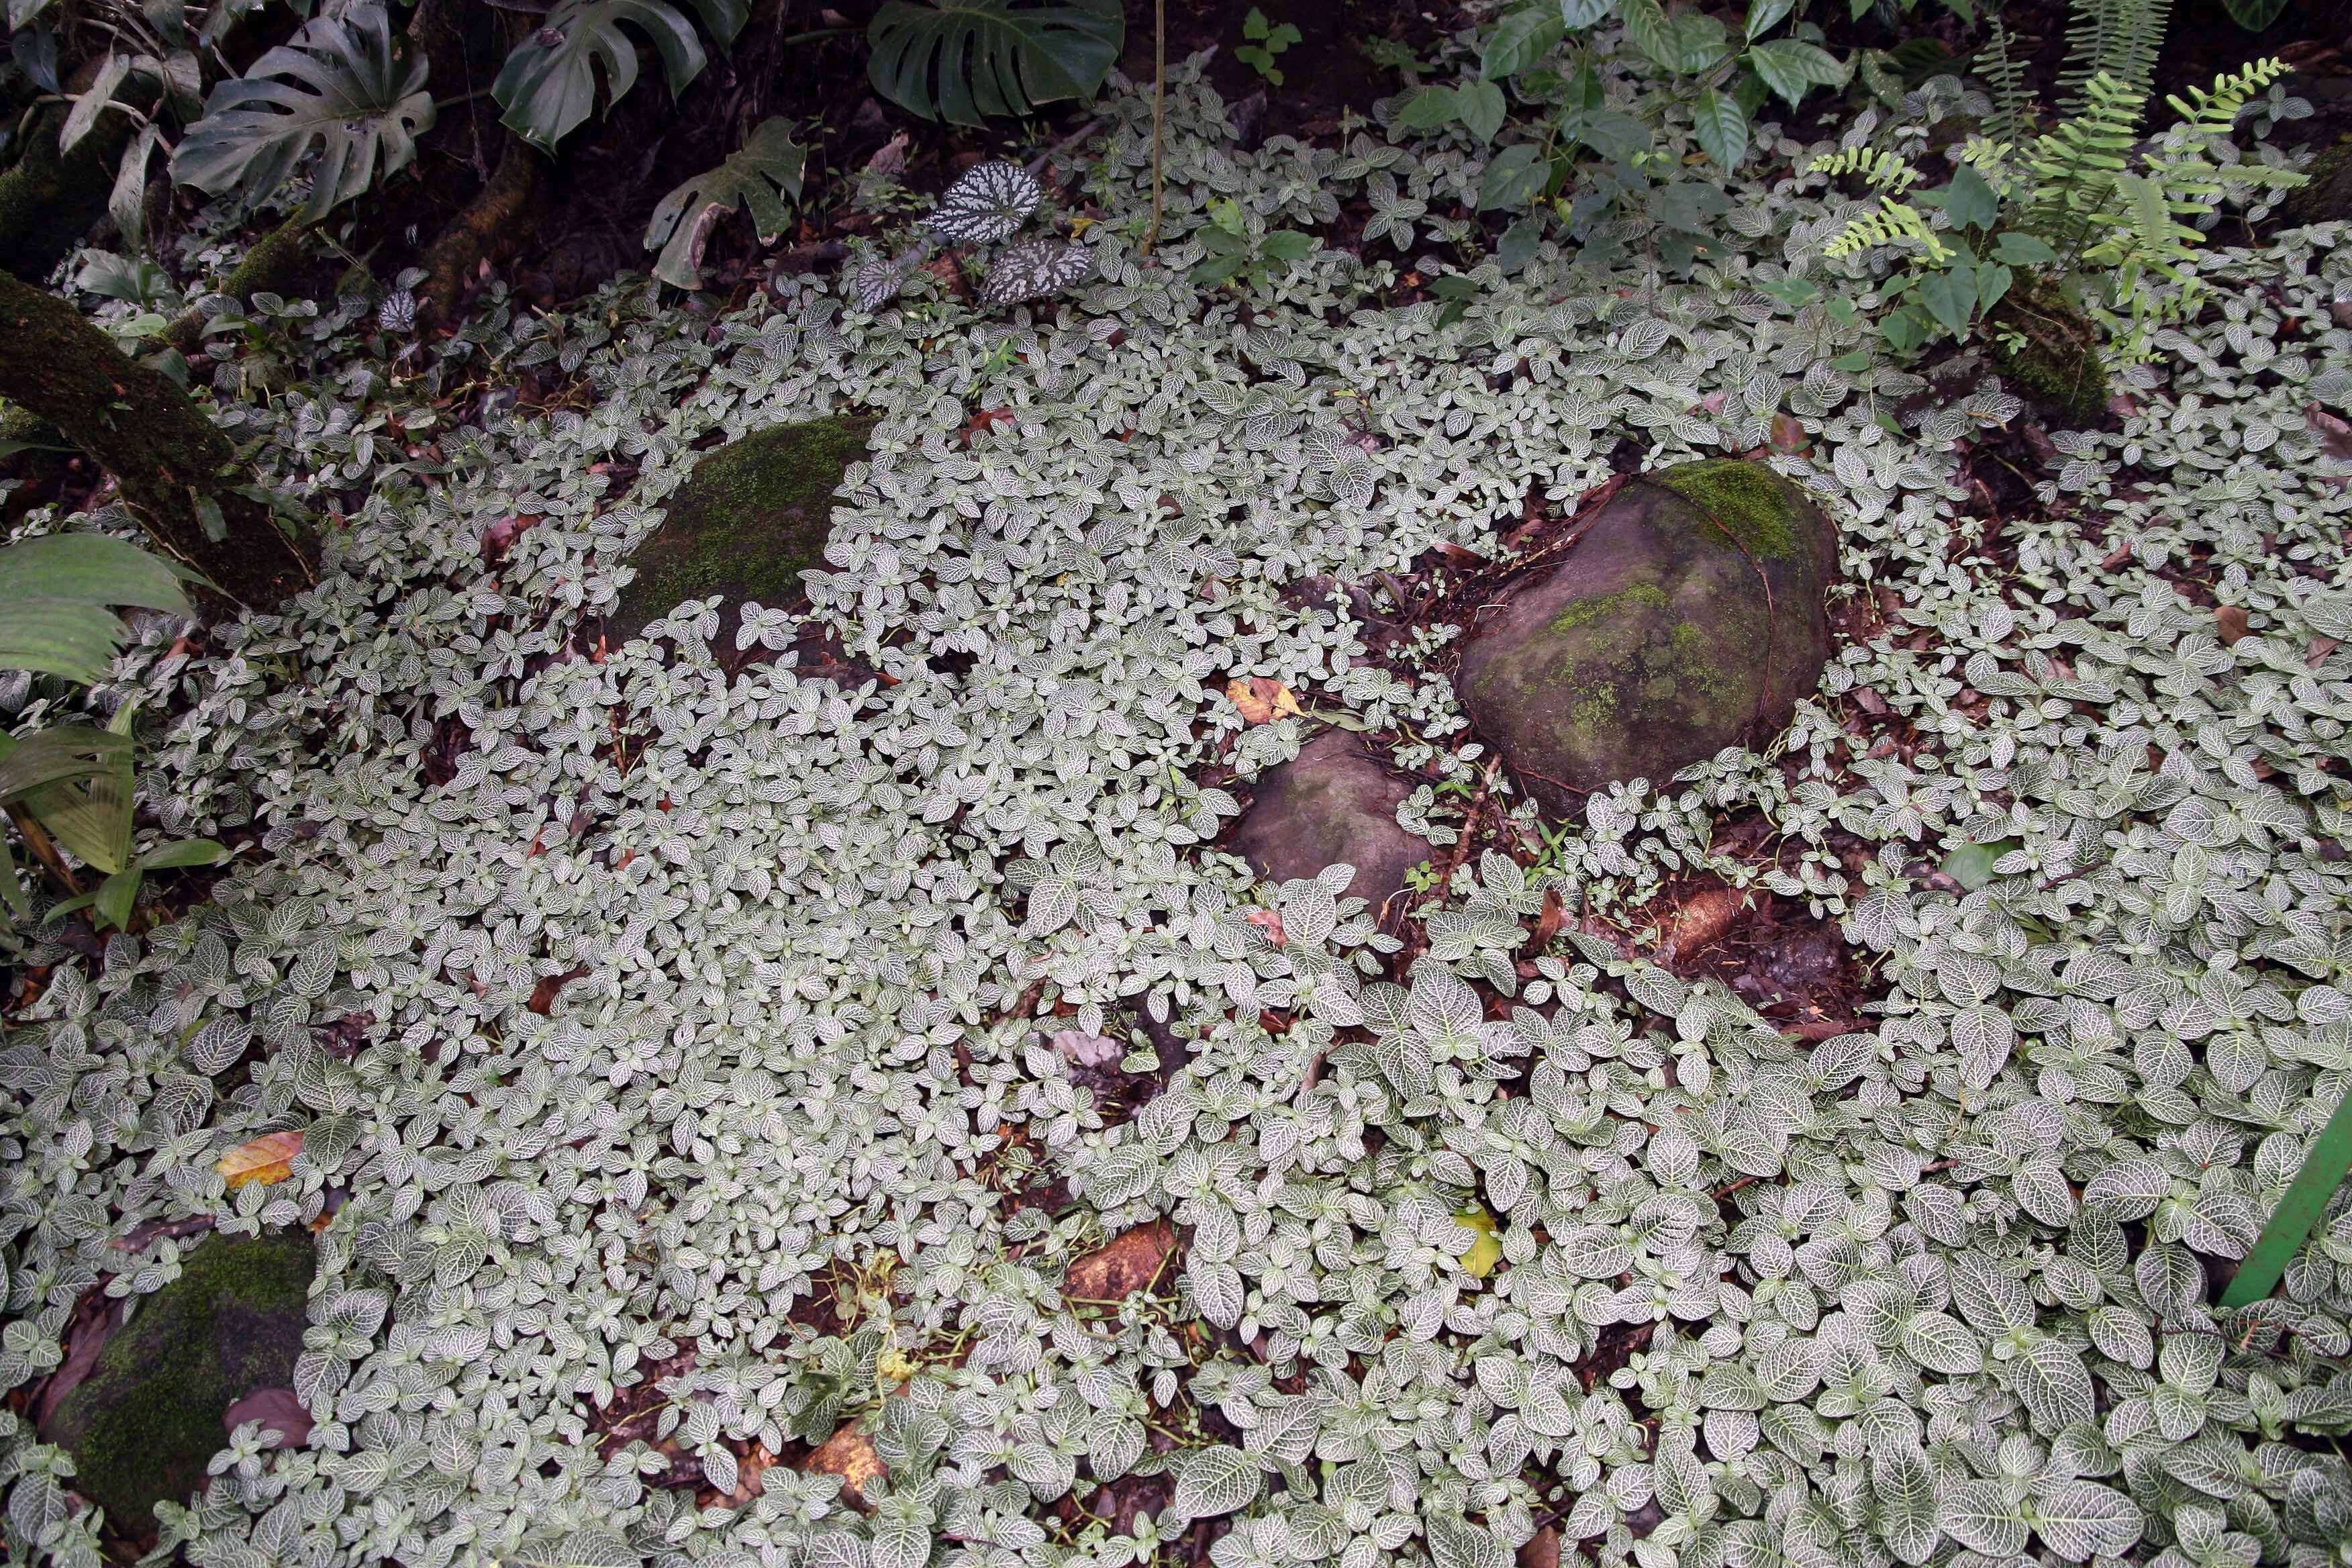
{"x": 274, "y": 265}
{"x": 490, "y": 228}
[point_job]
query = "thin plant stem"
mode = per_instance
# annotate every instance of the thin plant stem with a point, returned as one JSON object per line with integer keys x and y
{"x": 1159, "y": 112}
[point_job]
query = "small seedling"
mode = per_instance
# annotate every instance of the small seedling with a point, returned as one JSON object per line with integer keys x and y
{"x": 1266, "y": 41}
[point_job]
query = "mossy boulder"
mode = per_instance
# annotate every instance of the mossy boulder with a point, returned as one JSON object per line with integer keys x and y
{"x": 2047, "y": 351}
{"x": 749, "y": 518}
{"x": 1334, "y": 804}
{"x": 145, "y": 1423}
{"x": 1690, "y": 616}
{"x": 2325, "y": 195}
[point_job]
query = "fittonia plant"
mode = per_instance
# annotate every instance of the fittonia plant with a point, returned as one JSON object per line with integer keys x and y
{"x": 693, "y": 1026}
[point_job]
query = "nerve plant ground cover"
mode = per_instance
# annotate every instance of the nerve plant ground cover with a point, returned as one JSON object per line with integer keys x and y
{"x": 672, "y": 1036}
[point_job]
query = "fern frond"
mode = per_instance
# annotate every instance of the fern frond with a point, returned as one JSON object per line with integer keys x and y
{"x": 2004, "y": 79}
{"x": 1994, "y": 160}
{"x": 2074, "y": 166}
{"x": 1891, "y": 222}
{"x": 1881, "y": 171}
{"x": 2114, "y": 38}
{"x": 2194, "y": 181}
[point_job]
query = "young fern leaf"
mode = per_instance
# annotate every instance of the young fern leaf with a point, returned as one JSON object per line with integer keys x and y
{"x": 2114, "y": 38}
{"x": 1889, "y": 174}
{"x": 2004, "y": 77}
{"x": 2074, "y": 166}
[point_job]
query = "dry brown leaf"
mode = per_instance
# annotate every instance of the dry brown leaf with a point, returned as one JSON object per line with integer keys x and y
{"x": 1789, "y": 434}
{"x": 550, "y": 986}
{"x": 1870, "y": 702}
{"x": 850, "y": 1455}
{"x": 1270, "y": 922}
{"x": 1131, "y": 1262}
{"x": 1543, "y": 1549}
{"x": 2316, "y": 654}
{"x": 278, "y": 1409}
{"x": 1261, "y": 699}
{"x": 2334, "y": 435}
{"x": 268, "y": 1159}
{"x": 2233, "y": 623}
{"x": 1706, "y": 918}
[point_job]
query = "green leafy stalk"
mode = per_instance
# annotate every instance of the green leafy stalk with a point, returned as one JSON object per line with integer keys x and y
{"x": 2307, "y": 1199}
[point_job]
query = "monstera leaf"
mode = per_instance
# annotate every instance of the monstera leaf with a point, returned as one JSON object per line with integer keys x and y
{"x": 342, "y": 85}
{"x": 548, "y": 85}
{"x": 962, "y": 59}
{"x": 762, "y": 174}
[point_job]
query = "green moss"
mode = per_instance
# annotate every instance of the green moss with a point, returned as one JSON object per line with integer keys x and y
{"x": 1756, "y": 506}
{"x": 1606, "y": 606}
{"x": 2048, "y": 351}
{"x": 148, "y": 1420}
{"x": 750, "y": 517}
{"x": 2326, "y": 194}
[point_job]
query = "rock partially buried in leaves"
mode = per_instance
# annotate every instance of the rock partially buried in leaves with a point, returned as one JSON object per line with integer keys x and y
{"x": 1689, "y": 616}
{"x": 1132, "y": 1261}
{"x": 750, "y": 517}
{"x": 145, "y": 1425}
{"x": 1334, "y": 804}
{"x": 850, "y": 1454}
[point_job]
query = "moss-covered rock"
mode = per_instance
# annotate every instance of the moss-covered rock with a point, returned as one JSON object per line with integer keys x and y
{"x": 750, "y": 517}
{"x": 1333, "y": 804}
{"x": 2048, "y": 351}
{"x": 1691, "y": 615}
{"x": 2326, "y": 194}
{"x": 149, "y": 1418}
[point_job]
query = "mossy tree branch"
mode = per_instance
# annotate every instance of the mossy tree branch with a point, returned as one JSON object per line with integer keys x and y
{"x": 172, "y": 463}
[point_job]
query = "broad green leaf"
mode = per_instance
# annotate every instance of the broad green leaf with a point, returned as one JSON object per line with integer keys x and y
{"x": 1481, "y": 106}
{"x": 1791, "y": 69}
{"x": 1518, "y": 246}
{"x": 1950, "y": 296}
{"x": 92, "y": 101}
{"x": 1519, "y": 40}
{"x": 1763, "y": 15}
{"x": 342, "y": 86}
{"x": 964, "y": 60}
{"x": 2023, "y": 249}
{"x": 1722, "y": 127}
{"x": 547, "y": 87}
{"x": 1514, "y": 177}
{"x": 1429, "y": 108}
{"x": 1574, "y": 13}
{"x": 32, "y": 762}
{"x": 184, "y": 852}
{"x": 761, "y": 176}
{"x": 56, "y": 595}
{"x": 1968, "y": 201}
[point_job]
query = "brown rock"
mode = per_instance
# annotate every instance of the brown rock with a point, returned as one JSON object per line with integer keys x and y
{"x": 850, "y": 1455}
{"x": 1691, "y": 615}
{"x": 1334, "y": 803}
{"x": 1132, "y": 1261}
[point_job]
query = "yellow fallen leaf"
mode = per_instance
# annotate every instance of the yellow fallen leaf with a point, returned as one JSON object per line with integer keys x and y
{"x": 267, "y": 1159}
{"x": 1484, "y": 1252}
{"x": 1262, "y": 699}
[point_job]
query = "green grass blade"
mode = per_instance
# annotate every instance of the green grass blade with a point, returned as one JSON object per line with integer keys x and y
{"x": 2305, "y": 1201}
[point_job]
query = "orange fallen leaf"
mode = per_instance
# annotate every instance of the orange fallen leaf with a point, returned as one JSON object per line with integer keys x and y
{"x": 1270, "y": 922}
{"x": 1704, "y": 918}
{"x": 268, "y": 1159}
{"x": 1261, "y": 699}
